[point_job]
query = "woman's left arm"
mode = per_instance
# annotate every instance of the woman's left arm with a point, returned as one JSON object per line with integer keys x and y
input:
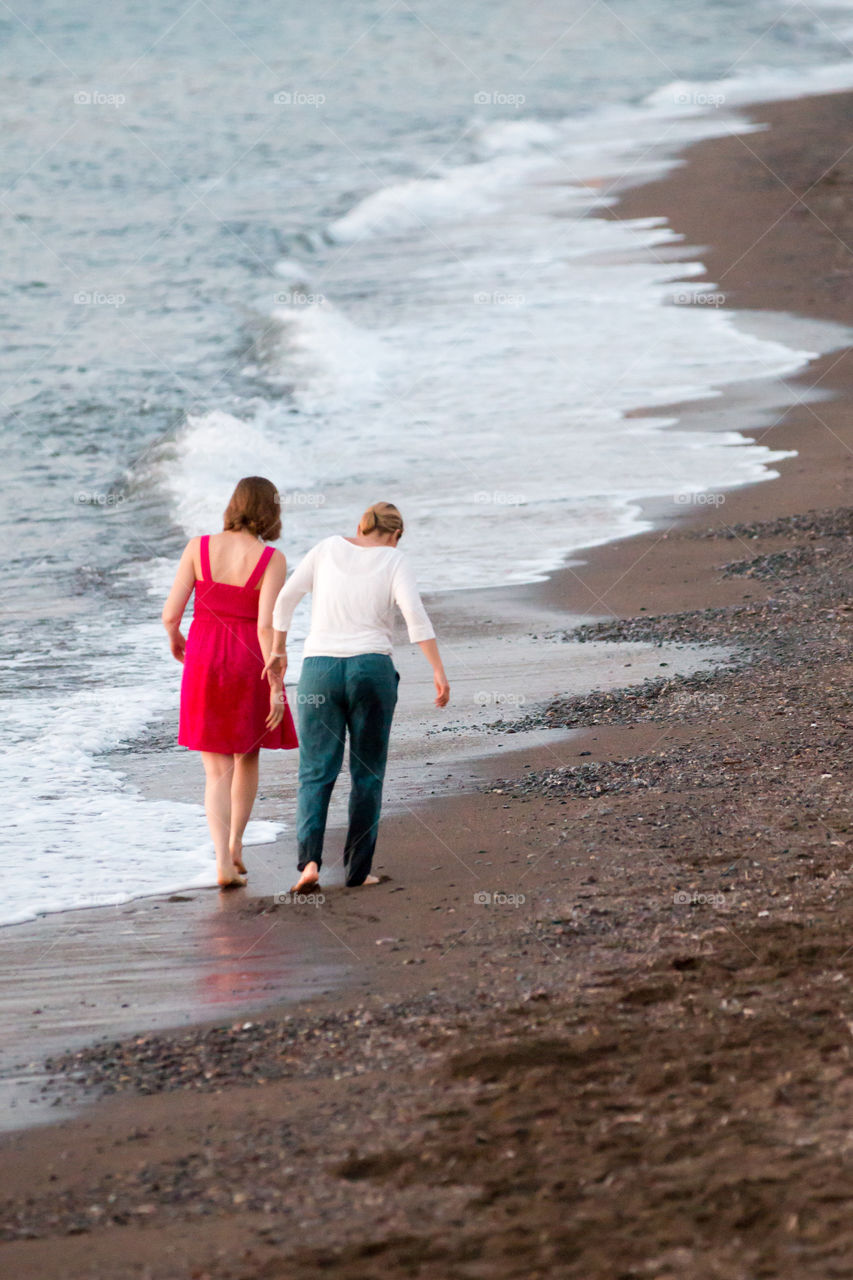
{"x": 273, "y": 581}
{"x": 272, "y": 584}
{"x": 182, "y": 589}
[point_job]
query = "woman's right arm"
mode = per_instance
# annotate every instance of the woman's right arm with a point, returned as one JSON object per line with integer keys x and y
{"x": 176, "y": 603}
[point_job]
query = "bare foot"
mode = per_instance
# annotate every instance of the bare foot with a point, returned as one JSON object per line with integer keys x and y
{"x": 228, "y": 874}
{"x": 309, "y": 877}
{"x": 236, "y": 882}
{"x": 366, "y": 880}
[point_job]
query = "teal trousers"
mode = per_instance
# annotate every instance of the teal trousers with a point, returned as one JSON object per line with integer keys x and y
{"x": 337, "y": 697}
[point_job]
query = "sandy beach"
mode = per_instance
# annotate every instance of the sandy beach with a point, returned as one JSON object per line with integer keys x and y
{"x": 596, "y": 1019}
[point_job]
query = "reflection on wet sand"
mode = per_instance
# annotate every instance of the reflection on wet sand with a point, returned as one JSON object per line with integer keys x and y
{"x": 260, "y": 957}
{"x": 146, "y": 966}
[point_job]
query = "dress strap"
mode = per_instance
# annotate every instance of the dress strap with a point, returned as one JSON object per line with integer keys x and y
{"x": 260, "y": 568}
{"x": 204, "y": 551}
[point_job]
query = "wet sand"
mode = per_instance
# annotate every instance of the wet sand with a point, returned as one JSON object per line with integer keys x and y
{"x": 598, "y": 1018}
{"x": 180, "y": 958}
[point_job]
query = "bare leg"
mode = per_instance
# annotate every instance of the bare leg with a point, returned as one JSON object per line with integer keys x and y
{"x": 244, "y": 788}
{"x": 217, "y": 803}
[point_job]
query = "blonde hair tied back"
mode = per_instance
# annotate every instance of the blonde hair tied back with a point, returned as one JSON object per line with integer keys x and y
{"x": 382, "y": 517}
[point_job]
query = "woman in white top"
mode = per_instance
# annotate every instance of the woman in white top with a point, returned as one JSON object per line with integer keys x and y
{"x": 348, "y": 682}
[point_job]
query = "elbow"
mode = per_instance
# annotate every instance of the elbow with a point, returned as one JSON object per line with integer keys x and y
{"x": 171, "y": 620}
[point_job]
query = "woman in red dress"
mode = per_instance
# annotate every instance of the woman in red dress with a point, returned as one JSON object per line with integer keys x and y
{"x": 228, "y": 712}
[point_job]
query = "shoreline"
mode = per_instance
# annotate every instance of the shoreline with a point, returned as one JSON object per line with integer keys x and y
{"x": 443, "y": 856}
{"x": 724, "y": 247}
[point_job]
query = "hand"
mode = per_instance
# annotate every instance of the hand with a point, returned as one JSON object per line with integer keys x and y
{"x": 442, "y": 688}
{"x": 178, "y": 645}
{"x": 277, "y": 704}
{"x": 275, "y": 669}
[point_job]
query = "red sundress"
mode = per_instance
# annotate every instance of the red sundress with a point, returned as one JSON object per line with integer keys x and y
{"x": 224, "y": 701}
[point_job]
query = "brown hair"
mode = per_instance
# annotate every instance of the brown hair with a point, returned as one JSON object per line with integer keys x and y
{"x": 256, "y": 507}
{"x": 382, "y": 517}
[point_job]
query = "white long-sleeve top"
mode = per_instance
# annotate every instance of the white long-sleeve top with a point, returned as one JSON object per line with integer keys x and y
{"x": 354, "y": 592}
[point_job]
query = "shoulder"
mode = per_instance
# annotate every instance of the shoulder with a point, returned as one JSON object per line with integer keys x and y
{"x": 277, "y": 563}
{"x": 325, "y": 545}
{"x": 401, "y": 570}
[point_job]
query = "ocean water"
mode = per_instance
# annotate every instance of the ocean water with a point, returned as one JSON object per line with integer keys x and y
{"x": 352, "y": 247}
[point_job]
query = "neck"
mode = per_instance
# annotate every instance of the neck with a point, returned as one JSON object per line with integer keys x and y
{"x": 375, "y": 539}
{"x": 244, "y": 533}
